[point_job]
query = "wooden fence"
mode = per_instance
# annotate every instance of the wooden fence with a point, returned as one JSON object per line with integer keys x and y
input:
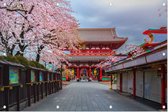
{"x": 20, "y": 86}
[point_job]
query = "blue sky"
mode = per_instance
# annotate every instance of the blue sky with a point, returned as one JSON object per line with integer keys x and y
{"x": 129, "y": 17}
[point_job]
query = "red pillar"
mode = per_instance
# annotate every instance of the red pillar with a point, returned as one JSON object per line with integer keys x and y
{"x": 121, "y": 82}
{"x": 78, "y": 75}
{"x": 163, "y": 86}
{"x": 101, "y": 74}
{"x": 90, "y": 72}
{"x": 134, "y": 82}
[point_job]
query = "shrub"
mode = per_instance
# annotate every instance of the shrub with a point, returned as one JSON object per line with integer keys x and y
{"x": 11, "y": 59}
{"x": 22, "y": 60}
{"x": 31, "y": 63}
{"x": 36, "y": 64}
{"x": 2, "y": 58}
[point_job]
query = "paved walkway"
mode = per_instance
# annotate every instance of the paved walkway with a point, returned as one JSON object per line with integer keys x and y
{"x": 87, "y": 96}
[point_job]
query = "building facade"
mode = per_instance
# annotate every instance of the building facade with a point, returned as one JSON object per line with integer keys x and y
{"x": 97, "y": 45}
{"x": 144, "y": 76}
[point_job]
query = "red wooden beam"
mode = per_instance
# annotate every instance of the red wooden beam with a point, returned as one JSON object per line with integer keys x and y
{"x": 72, "y": 66}
{"x": 84, "y": 67}
{"x": 91, "y": 52}
{"x": 93, "y": 66}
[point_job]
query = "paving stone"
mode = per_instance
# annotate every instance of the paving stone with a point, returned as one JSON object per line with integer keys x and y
{"x": 87, "y": 96}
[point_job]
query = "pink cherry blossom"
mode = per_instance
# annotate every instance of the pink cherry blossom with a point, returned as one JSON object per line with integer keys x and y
{"x": 37, "y": 26}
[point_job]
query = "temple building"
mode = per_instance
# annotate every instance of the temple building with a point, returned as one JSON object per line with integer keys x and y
{"x": 98, "y": 44}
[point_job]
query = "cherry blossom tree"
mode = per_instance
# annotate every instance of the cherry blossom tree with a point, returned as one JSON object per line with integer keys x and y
{"x": 37, "y": 25}
{"x": 109, "y": 60}
{"x": 131, "y": 51}
{"x": 134, "y": 50}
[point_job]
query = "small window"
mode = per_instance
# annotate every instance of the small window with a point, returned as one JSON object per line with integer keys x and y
{"x": 41, "y": 76}
{"x": 33, "y": 77}
{"x": 13, "y": 75}
{"x": 52, "y": 76}
{"x": 48, "y": 76}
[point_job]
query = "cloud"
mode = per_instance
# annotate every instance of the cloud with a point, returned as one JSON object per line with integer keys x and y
{"x": 130, "y": 17}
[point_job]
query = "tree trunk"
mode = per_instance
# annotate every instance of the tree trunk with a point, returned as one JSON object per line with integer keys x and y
{"x": 39, "y": 49}
{"x": 38, "y": 57}
{"x": 9, "y": 52}
{"x": 22, "y": 49}
{"x": 19, "y": 53}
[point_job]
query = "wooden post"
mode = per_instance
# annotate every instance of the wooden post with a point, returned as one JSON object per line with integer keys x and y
{"x": 56, "y": 82}
{"x": 61, "y": 74}
{"x": 111, "y": 80}
{"x": 28, "y": 80}
{"x": 61, "y": 80}
{"x": 17, "y": 98}
{"x": 41, "y": 86}
{"x": 52, "y": 90}
{"x": 18, "y": 92}
{"x": 49, "y": 84}
{"x": 37, "y": 84}
{"x": 6, "y": 83}
{"x": 163, "y": 86}
{"x": 134, "y": 82}
{"x": 45, "y": 78}
{"x": 34, "y": 92}
{"x": 121, "y": 82}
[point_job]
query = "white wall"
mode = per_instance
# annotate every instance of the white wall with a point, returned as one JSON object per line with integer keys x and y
{"x": 125, "y": 82}
{"x": 130, "y": 82}
{"x": 118, "y": 81}
{"x": 139, "y": 83}
{"x": 152, "y": 86}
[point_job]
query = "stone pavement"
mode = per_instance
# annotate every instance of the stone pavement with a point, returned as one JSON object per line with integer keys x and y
{"x": 88, "y": 96}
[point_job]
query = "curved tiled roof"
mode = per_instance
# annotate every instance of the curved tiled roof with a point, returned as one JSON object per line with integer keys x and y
{"x": 99, "y": 35}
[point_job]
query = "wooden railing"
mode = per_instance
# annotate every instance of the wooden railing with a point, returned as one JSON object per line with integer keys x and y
{"x": 20, "y": 86}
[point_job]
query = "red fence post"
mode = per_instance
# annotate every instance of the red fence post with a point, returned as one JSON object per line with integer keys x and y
{"x": 90, "y": 71}
{"x": 78, "y": 75}
{"x": 120, "y": 82}
{"x": 134, "y": 82}
{"x": 163, "y": 86}
{"x": 101, "y": 74}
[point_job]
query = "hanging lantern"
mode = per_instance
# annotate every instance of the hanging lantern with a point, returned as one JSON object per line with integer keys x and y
{"x": 95, "y": 72}
{"x": 73, "y": 72}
